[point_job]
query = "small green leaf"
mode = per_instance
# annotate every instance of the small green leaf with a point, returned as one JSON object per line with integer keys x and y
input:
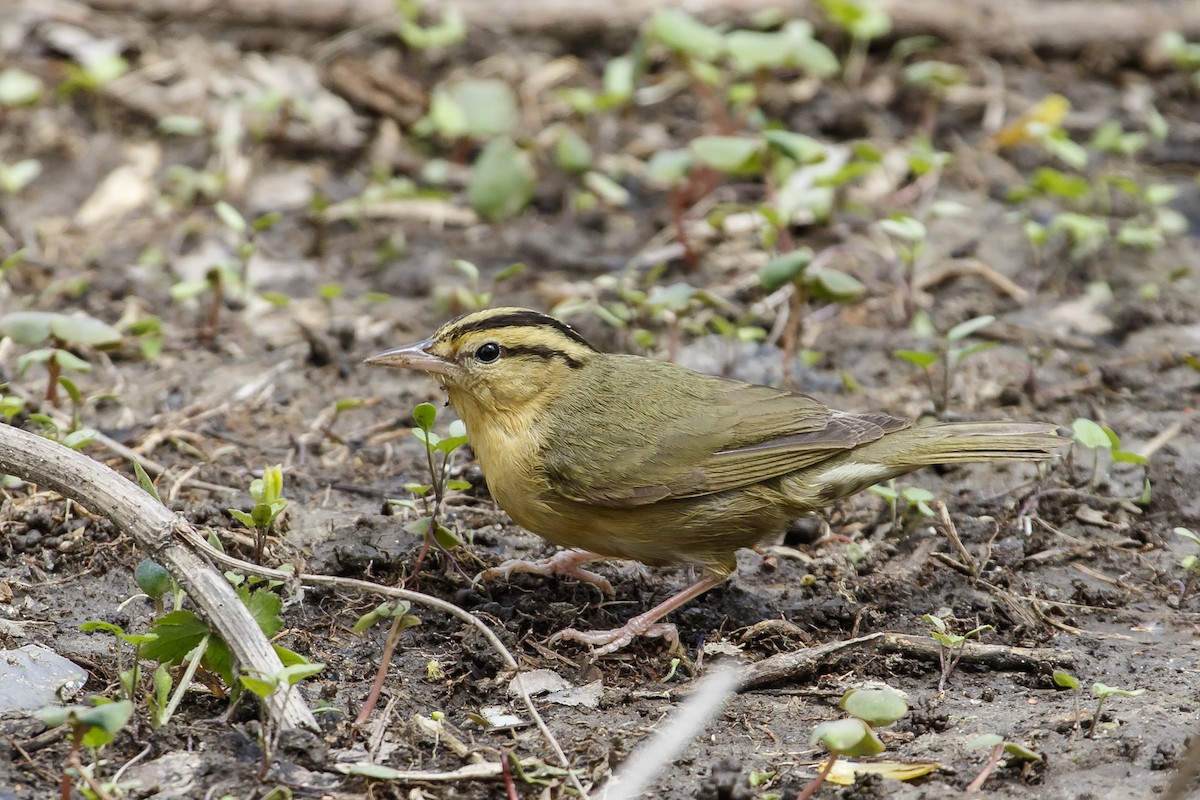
{"x": 263, "y": 687}
{"x": 230, "y": 217}
{"x": 876, "y": 707}
{"x": 971, "y": 326}
{"x": 265, "y": 606}
{"x": 934, "y": 74}
{"x": 152, "y": 578}
{"x": 27, "y": 327}
{"x": 446, "y": 538}
{"x": 425, "y": 415}
{"x": 178, "y": 634}
{"x": 851, "y": 736}
{"x": 1021, "y": 752}
{"x": 1103, "y": 690}
{"x": 1089, "y": 434}
{"x": 832, "y": 284}
{"x": 988, "y": 740}
{"x": 734, "y": 155}
{"x": 69, "y": 361}
{"x": 1065, "y": 680}
{"x": 502, "y": 180}
{"x": 922, "y": 358}
{"x": 15, "y": 177}
{"x": 479, "y": 108}
{"x": 862, "y": 19}
{"x": 79, "y": 439}
{"x": 796, "y": 146}
{"x": 683, "y": 33}
{"x": 1187, "y": 534}
{"x": 145, "y": 482}
{"x": 19, "y": 88}
{"x": 669, "y": 167}
{"x": 784, "y": 268}
{"x": 903, "y": 227}
{"x": 572, "y": 151}
{"x": 295, "y": 673}
{"x": 605, "y": 188}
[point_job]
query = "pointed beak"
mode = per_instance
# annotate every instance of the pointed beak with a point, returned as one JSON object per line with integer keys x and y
{"x": 414, "y": 356}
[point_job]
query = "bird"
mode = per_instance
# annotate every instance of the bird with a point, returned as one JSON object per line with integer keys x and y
{"x": 612, "y": 455}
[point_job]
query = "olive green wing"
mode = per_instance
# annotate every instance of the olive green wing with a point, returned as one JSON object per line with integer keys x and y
{"x": 695, "y": 436}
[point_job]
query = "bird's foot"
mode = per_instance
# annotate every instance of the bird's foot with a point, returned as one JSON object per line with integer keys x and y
{"x": 619, "y": 638}
{"x": 564, "y": 562}
{"x": 646, "y": 624}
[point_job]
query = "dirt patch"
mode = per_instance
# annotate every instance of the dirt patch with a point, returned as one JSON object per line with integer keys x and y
{"x": 1081, "y": 563}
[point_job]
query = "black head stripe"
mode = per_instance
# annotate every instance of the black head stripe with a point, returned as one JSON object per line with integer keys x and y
{"x": 517, "y": 319}
{"x": 539, "y": 351}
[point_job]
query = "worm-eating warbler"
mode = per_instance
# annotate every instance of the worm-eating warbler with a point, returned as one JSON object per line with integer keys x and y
{"x": 629, "y": 457}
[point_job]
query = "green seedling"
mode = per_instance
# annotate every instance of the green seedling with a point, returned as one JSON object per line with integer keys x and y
{"x": 947, "y": 357}
{"x": 227, "y": 279}
{"x": 93, "y": 75}
{"x": 57, "y": 332}
{"x": 999, "y": 749}
{"x": 863, "y": 20}
{"x": 429, "y": 504}
{"x": 156, "y": 583}
{"x": 1185, "y": 54}
{"x": 502, "y": 181}
{"x": 474, "y": 296}
{"x": 183, "y": 186}
{"x": 430, "y": 497}
{"x": 450, "y": 29}
{"x": 130, "y": 678}
{"x": 907, "y": 235}
{"x": 184, "y": 637}
{"x": 1102, "y": 693}
{"x": 760, "y": 780}
{"x": 1097, "y": 437}
{"x": 915, "y": 499}
{"x": 1190, "y": 564}
{"x": 10, "y": 406}
{"x": 855, "y": 735}
{"x": 19, "y": 88}
{"x": 810, "y": 279}
{"x": 398, "y": 612}
{"x": 264, "y": 687}
{"x": 269, "y": 503}
{"x": 16, "y": 176}
{"x": 1065, "y": 680}
{"x": 950, "y": 645}
{"x": 92, "y": 726}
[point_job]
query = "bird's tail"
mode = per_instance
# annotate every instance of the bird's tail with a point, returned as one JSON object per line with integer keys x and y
{"x": 904, "y": 451}
{"x": 955, "y": 442}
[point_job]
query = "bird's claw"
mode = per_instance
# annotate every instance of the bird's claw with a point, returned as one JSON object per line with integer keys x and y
{"x": 566, "y": 562}
{"x": 611, "y": 641}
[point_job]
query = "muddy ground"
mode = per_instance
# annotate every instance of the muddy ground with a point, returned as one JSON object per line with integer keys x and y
{"x": 1086, "y": 568}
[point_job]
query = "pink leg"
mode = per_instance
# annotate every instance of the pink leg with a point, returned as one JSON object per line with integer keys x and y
{"x": 646, "y": 624}
{"x": 564, "y": 562}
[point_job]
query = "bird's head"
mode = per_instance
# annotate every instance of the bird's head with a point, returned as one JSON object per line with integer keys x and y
{"x": 497, "y": 360}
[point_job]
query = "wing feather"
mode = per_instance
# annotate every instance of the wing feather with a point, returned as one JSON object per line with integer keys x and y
{"x": 697, "y": 436}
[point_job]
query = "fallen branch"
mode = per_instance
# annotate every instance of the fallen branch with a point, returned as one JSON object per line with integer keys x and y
{"x": 160, "y": 532}
{"x": 802, "y": 663}
{"x": 1005, "y": 27}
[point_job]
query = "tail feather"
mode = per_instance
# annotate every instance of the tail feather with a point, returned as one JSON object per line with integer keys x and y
{"x": 957, "y": 442}
{"x": 904, "y": 451}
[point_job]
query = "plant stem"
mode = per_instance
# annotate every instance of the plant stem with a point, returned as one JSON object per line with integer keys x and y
{"x": 1091, "y": 734}
{"x": 811, "y": 789}
{"x": 389, "y": 648}
{"x": 988, "y": 769}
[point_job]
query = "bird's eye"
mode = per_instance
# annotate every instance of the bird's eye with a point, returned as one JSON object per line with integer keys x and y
{"x": 487, "y": 353}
